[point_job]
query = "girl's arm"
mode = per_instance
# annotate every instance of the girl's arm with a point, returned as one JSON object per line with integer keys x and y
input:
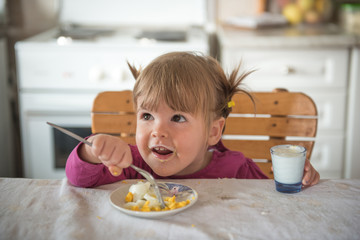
{"x": 89, "y": 166}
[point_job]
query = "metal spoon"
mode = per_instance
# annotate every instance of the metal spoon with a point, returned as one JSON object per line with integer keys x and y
{"x": 144, "y": 173}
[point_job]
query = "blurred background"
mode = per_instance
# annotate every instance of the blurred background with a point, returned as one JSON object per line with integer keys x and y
{"x": 56, "y": 55}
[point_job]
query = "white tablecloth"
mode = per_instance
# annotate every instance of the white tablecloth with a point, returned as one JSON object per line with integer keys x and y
{"x": 226, "y": 209}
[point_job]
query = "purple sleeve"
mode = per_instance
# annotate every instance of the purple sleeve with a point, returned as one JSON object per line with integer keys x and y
{"x": 84, "y": 174}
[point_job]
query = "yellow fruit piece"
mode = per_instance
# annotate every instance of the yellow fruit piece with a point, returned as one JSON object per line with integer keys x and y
{"x": 173, "y": 199}
{"x": 172, "y": 205}
{"x": 292, "y": 13}
{"x": 135, "y": 208}
{"x": 129, "y": 197}
{"x": 146, "y": 207}
{"x": 182, "y": 204}
{"x": 157, "y": 209}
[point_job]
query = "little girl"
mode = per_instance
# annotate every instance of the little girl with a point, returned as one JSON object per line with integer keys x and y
{"x": 181, "y": 100}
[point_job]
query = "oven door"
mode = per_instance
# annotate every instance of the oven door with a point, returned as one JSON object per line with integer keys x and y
{"x": 45, "y": 149}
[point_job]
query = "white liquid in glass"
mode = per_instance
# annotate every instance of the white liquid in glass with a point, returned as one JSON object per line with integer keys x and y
{"x": 288, "y": 163}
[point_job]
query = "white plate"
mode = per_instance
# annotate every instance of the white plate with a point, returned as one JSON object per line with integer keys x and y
{"x": 182, "y": 192}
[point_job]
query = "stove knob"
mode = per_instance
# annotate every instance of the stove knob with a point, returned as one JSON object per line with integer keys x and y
{"x": 96, "y": 74}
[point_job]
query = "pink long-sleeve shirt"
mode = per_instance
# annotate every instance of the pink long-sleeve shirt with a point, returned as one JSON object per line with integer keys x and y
{"x": 224, "y": 164}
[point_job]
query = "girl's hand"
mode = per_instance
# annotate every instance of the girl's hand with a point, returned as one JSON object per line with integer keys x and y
{"x": 310, "y": 176}
{"x": 108, "y": 150}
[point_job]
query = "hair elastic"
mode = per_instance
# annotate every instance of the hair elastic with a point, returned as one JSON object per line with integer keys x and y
{"x": 231, "y": 104}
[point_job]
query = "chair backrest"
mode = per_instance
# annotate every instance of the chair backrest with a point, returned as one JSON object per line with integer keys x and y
{"x": 281, "y": 118}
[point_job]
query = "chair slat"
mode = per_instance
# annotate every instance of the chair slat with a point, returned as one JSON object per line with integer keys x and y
{"x": 275, "y": 103}
{"x": 260, "y": 149}
{"x": 111, "y": 123}
{"x": 113, "y": 102}
{"x": 275, "y": 126}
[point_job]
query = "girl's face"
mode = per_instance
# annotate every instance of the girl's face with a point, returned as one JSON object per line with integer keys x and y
{"x": 171, "y": 142}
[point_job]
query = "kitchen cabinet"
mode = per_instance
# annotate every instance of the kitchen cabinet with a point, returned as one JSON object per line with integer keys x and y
{"x": 316, "y": 63}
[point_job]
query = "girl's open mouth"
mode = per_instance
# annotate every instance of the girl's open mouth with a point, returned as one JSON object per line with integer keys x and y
{"x": 162, "y": 153}
{"x": 162, "y": 150}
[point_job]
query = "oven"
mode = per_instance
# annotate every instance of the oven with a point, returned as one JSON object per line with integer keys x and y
{"x": 45, "y": 149}
{"x": 61, "y": 71}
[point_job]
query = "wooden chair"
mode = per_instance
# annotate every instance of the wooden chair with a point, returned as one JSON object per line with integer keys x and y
{"x": 281, "y": 118}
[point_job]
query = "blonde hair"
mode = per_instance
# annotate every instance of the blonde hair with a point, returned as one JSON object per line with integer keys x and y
{"x": 188, "y": 82}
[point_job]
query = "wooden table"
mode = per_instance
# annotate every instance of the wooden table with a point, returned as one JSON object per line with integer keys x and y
{"x": 226, "y": 209}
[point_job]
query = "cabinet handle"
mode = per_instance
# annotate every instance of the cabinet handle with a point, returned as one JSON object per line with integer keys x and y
{"x": 287, "y": 70}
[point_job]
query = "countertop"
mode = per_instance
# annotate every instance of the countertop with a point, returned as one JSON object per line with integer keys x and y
{"x": 286, "y": 37}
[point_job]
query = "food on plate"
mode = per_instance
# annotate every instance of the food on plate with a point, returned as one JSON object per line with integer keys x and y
{"x": 141, "y": 197}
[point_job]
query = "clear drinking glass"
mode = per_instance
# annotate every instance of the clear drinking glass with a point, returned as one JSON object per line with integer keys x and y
{"x": 288, "y": 165}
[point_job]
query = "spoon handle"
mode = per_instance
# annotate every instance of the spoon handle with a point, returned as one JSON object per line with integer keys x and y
{"x": 71, "y": 134}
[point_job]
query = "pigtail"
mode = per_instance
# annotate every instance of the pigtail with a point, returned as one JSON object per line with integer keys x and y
{"x": 234, "y": 87}
{"x": 134, "y": 71}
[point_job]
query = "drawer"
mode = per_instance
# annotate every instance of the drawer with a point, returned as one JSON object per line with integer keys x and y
{"x": 305, "y": 68}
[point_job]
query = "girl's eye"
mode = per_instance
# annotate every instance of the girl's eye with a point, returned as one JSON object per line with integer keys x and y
{"x": 147, "y": 116}
{"x": 178, "y": 118}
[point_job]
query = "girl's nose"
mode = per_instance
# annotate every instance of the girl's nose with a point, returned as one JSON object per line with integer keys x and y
{"x": 159, "y": 131}
{"x": 159, "y": 134}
